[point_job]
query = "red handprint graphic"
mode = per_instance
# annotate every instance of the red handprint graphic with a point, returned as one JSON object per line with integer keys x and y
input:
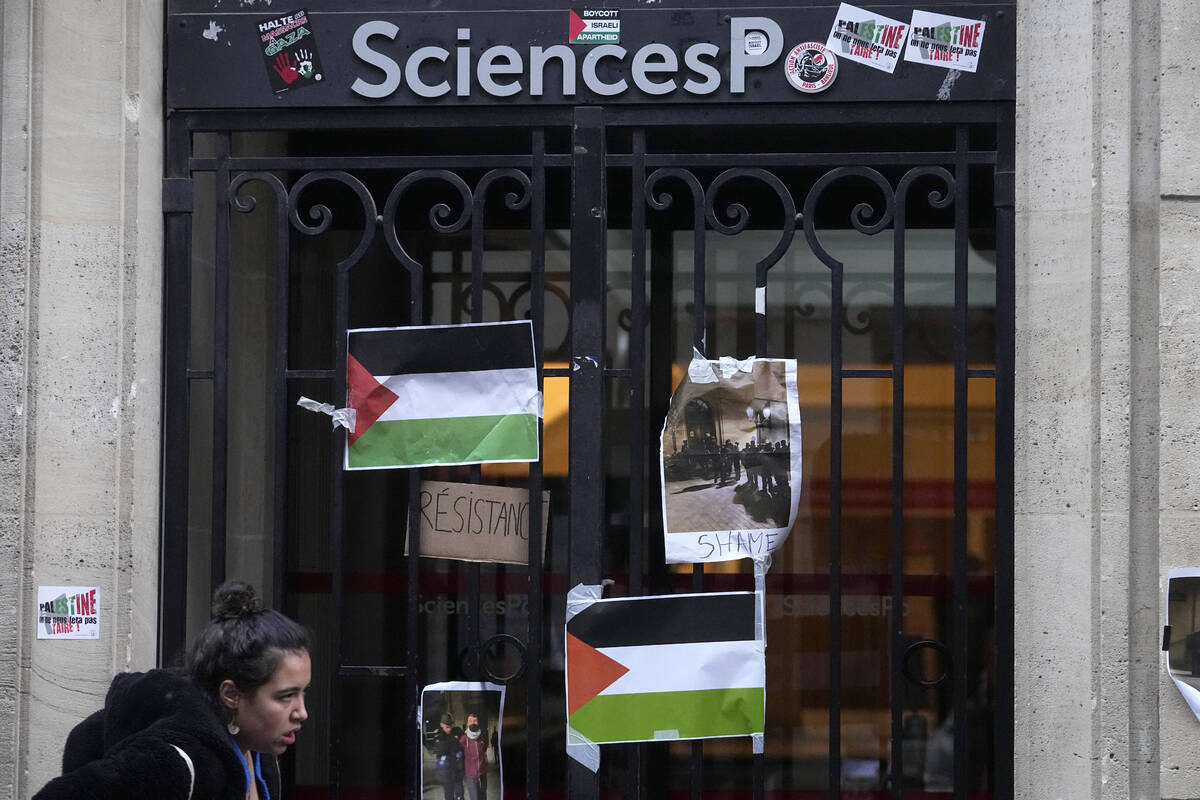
{"x": 285, "y": 67}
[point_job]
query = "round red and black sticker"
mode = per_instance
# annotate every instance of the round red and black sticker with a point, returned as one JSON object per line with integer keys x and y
{"x": 811, "y": 67}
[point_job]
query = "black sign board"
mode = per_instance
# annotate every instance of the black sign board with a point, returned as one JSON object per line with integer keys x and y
{"x": 572, "y": 55}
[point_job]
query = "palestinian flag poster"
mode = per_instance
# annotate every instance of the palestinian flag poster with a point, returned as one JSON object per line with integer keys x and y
{"x": 442, "y": 395}
{"x": 684, "y": 666}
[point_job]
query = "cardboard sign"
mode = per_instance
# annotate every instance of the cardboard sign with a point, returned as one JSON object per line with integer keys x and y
{"x": 474, "y": 522}
{"x": 68, "y": 612}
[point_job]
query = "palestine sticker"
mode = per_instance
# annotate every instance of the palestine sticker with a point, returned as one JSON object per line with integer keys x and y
{"x": 811, "y": 67}
{"x": 290, "y": 51}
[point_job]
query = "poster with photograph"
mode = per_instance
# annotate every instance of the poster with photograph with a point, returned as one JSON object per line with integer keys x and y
{"x": 460, "y": 741}
{"x": 1182, "y": 643}
{"x": 730, "y": 460}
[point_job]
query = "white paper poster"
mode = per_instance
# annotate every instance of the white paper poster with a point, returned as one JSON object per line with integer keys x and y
{"x": 460, "y": 726}
{"x": 867, "y": 37}
{"x": 730, "y": 460}
{"x": 944, "y": 41}
{"x": 68, "y": 612}
{"x": 1182, "y": 646}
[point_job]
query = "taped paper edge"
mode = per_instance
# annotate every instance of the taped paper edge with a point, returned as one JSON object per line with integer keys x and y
{"x": 676, "y": 552}
{"x": 761, "y": 565}
{"x": 583, "y": 595}
{"x": 346, "y": 417}
{"x": 586, "y": 752}
{"x": 760, "y": 298}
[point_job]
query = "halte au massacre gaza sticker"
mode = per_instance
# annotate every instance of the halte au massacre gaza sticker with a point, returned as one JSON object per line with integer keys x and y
{"x": 811, "y": 67}
{"x": 289, "y": 50}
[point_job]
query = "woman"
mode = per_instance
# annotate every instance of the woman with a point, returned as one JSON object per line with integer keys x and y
{"x": 210, "y": 733}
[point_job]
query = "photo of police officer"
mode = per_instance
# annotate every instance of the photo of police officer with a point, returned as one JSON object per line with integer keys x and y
{"x": 727, "y": 453}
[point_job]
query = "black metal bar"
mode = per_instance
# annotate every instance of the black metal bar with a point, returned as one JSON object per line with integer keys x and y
{"x": 835, "y": 531}
{"x": 652, "y": 160}
{"x": 309, "y": 374}
{"x": 813, "y": 159}
{"x": 867, "y": 373}
{"x": 537, "y": 566}
{"x": 637, "y": 403}
{"x": 1003, "y": 698}
{"x": 412, "y": 644}
{"x": 220, "y": 388}
{"x": 662, "y": 349}
{"x": 589, "y": 220}
{"x": 382, "y": 163}
{"x": 896, "y": 621}
{"x": 387, "y": 118}
{"x": 282, "y": 404}
{"x": 961, "y": 674}
{"x": 173, "y": 564}
{"x": 366, "y": 671}
{"x": 337, "y": 502}
{"x": 471, "y": 626}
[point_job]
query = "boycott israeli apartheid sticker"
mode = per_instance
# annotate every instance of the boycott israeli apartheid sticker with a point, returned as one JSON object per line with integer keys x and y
{"x": 944, "y": 41}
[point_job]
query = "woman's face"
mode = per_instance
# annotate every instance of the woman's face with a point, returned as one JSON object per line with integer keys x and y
{"x": 270, "y": 716}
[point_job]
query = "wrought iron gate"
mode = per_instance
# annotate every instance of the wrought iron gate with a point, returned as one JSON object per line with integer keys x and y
{"x": 629, "y": 237}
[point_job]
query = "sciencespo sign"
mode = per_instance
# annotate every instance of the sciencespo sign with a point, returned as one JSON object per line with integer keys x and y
{"x": 329, "y": 57}
{"x": 604, "y": 70}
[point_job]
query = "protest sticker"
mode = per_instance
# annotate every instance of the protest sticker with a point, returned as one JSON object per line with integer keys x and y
{"x": 868, "y": 38}
{"x": 474, "y": 522}
{"x": 289, "y": 49}
{"x": 730, "y": 460}
{"x": 944, "y": 41}
{"x": 460, "y": 724}
{"x": 594, "y": 26}
{"x": 68, "y": 612}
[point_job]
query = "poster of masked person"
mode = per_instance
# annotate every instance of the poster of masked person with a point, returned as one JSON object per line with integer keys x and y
{"x": 460, "y": 733}
{"x": 730, "y": 460}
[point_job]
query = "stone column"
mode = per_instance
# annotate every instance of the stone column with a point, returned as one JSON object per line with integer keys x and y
{"x": 1179, "y": 358}
{"x": 80, "y": 178}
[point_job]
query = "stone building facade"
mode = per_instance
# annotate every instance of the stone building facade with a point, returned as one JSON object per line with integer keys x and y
{"x": 1107, "y": 468}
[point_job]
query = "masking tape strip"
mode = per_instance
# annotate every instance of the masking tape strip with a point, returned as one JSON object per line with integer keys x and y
{"x": 760, "y": 300}
{"x": 700, "y": 370}
{"x": 346, "y": 417}
{"x": 582, "y": 750}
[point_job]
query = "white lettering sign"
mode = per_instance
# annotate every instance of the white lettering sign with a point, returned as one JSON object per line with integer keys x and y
{"x": 430, "y": 71}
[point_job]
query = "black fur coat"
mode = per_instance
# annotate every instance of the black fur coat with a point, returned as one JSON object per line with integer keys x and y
{"x": 124, "y": 751}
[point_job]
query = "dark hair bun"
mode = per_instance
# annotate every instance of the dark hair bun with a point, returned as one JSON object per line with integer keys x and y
{"x": 234, "y": 600}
